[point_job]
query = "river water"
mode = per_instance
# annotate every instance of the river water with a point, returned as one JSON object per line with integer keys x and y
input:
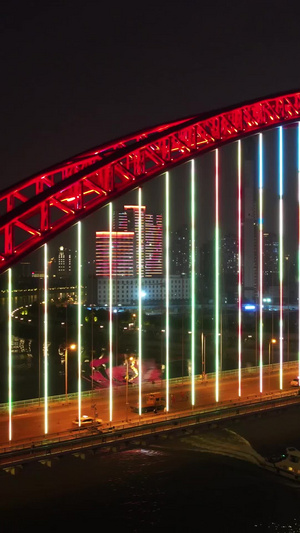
{"x": 172, "y": 487}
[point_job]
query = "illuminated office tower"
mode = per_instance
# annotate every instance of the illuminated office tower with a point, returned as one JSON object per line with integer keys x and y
{"x": 153, "y": 245}
{"x": 133, "y": 225}
{"x": 122, "y": 253}
{"x": 152, "y": 238}
{"x": 120, "y": 221}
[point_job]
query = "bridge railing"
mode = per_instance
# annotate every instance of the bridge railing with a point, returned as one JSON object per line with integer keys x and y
{"x": 76, "y": 440}
{"x": 91, "y": 394}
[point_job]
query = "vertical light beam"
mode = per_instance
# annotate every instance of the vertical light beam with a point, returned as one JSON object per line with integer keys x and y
{"x": 79, "y": 319}
{"x": 45, "y": 339}
{"x": 240, "y": 266}
{"x": 280, "y": 257}
{"x": 298, "y": 248}
{"x": 9, "y": 355}
{"x": 217, "y": 261}
{"x": 140, "y": 300}
{"x": 167, "y": 288}
{"x": 110, "y": 316}
{"x": 193, "y": 277}
{"x": 260, "y": 226}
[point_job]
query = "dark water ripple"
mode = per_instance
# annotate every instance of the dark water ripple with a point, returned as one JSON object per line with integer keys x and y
{"x": 145, "y": 490}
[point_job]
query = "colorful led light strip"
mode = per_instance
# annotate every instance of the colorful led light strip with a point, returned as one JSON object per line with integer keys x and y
{"x": 9, "y": 354}
{"x": 217, "y": 260}
{"x": 240, "y": 266}
{"x": 260, "y": 226}
{"x": 45, "y": 339}
{"x": 140, "y": 300}
{"x": 79, "y": 320}
{"x": 280, "y": 257}
{"x": 193, "y": 278}
{"x": 299, "y": 249}
{"x": 110, "y": 316}
{"x": 167, "y": 288}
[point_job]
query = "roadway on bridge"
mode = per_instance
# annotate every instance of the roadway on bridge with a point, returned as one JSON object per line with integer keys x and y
{"x": 29, "y": 423}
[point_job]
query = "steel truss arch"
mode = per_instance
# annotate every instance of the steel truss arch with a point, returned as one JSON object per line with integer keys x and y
{"x": 40, "y": 207}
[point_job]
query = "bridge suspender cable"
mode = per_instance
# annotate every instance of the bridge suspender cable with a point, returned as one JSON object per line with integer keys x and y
{"x": 193, "y": 278}
{"x": 240, "y": 266}
{"x": 167, "y": 200}
{"x": 260, "y": 226}
{"x": 110, "y": 316}
{"x": 9, "y": 354}
{"x": 217, "y": 288}
{"x": 140, "y": 298}
{"x": 45, "y": 339}
{"x": 280, "y": 257}
{"x": 298, "y": 248}
{"x": 79, "y": 320}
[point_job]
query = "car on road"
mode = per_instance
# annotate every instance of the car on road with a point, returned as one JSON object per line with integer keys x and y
{"x": 86, "y": 420}
{"x": 295, "y": 382}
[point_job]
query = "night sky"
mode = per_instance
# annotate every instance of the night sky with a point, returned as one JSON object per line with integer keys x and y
{"x": 75, "y": 74}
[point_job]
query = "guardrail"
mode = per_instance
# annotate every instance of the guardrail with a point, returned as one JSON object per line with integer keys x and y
{"x": 34, "y": 402}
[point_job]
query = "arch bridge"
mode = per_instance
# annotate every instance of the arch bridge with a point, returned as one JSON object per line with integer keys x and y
{"x": 40, "y": 207}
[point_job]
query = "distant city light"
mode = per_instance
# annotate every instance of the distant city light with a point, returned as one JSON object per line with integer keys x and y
{"x": 249, "y": 307}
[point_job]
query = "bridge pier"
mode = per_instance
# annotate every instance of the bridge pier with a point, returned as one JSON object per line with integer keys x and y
{"x": 80, "y": 455}
{"x": 13, "y": 470}
{"x": 46, "y": 462}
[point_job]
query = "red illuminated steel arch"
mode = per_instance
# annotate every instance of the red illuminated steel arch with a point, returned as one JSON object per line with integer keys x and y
{"x": 40, "y": 207}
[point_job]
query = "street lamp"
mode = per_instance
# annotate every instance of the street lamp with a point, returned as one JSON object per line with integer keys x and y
{"x": 203, "y": 350}
{"x": 127, "y": 376}
{"x": 68, "y": 347}
{"x": 271, "y": 341}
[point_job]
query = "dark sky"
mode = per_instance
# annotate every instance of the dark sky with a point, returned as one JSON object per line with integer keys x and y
{"x": 75, "y": 74}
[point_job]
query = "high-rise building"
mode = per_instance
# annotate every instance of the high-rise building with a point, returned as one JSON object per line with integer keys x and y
{"x": 181, "y": 250}
{"x": 228, "y": 269}
{"x": 127, "y": 228}
{"x": 151, "y": 231}
{"x": 270, "y": 261}
{"x": 133, "y": 222}
{"x": 249, "y": 234}
{"x": 153, "y": 245}
{"x": 62, "y": 262}
{"x": 122, "y": 253}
